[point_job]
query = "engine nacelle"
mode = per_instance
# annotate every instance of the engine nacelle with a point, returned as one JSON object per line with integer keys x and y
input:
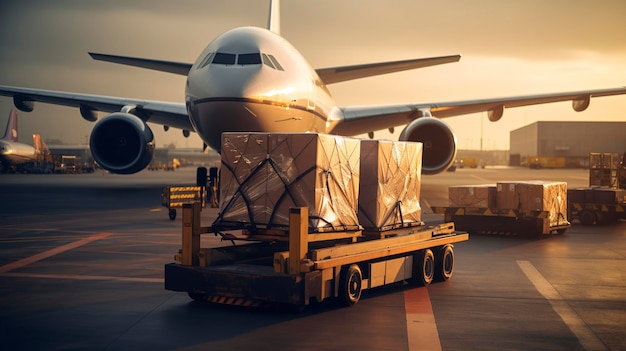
{"x": 439, "y": 142}
{"x": 122, "y": 143}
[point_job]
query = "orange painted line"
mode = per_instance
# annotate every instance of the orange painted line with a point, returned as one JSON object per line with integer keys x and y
{"x": 420, "y": 321}
{"x": 57, "y": 250}
{"x": 84, "y": 277}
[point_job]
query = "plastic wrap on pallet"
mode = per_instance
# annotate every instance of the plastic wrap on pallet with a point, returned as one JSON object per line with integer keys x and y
{"x": 478, "y": 196}
{"x": 390, "y": 183}
{"x": 265, "y": 174}
{"x": 535, "y": 195}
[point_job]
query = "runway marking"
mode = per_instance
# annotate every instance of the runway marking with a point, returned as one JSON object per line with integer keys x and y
{"x": 83, "y": 277}
{"x": 480, "y": 178}
{"x": 420, "y": 320}
{"x": 57, "y": 250}
{"x": 585, "y": 335}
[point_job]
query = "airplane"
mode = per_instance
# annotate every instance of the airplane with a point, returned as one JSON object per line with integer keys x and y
{"x": 15, "y": 155}
{"x": 250, "y": 79}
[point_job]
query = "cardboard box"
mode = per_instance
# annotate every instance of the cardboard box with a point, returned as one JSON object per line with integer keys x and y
{"x": 506, "y": 195}
{"x": 478, "y": 196}
{"x": 265, "y": 174}
{"x": 535, "y": 196}
{"x": 390, "y": 184}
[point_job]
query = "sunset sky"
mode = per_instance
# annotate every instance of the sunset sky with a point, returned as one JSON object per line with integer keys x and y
{"x": 509, "y": 48}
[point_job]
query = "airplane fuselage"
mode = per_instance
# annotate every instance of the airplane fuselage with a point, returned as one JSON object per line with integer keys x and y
{"x": 251, "y": 79}
{"x": 16, "y": 153}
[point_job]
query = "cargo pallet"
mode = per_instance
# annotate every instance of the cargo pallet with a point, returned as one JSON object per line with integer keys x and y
{"x": 502, "y": 221}
{"x": 296, "y": 267}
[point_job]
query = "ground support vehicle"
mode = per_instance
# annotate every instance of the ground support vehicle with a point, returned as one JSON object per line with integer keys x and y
{"x": 296, "y": 267}
{"x": 502, "y": 221}
{"x": 168, "y": 166}
{"x": 174, "y": 197}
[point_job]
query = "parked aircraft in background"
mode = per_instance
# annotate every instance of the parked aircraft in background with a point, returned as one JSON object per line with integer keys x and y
{"x": 251, "y": 79}
{"x": 15, "y": 155}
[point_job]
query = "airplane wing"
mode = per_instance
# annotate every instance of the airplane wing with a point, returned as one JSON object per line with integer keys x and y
{"x": 166, "y": 113}
{"x": 360, "y": 120}
{"x": 180, "y": 68}
{"x": 344, "y": 73}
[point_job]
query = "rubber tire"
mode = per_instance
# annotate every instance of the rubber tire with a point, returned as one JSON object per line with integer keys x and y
{"x": 172, "y": 214}
{"x": 424, "y": 268}
{"x": 587, "y": 217}
{"x": 201, "y": 176}
{"x": 197, "y": 296}
{"x": 350, "y": 288}
{"x": 444, "y": 263}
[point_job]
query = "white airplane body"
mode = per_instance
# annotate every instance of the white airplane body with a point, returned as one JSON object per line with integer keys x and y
{"x": 251, "y": 79}
{"x": 15, "y": 154}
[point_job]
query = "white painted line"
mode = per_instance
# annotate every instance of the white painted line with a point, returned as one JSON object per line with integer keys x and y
{"x": 585, "y": 335}
{"x": 420, "y": 321}
{"x": 57, "y": 250}
{"x": 83, "y": 277}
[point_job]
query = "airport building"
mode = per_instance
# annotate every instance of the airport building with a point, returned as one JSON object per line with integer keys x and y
{"x": 565, "y": 144}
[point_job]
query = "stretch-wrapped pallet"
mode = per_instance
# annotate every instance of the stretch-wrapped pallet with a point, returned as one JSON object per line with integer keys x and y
{"x": 390, "y": 184}
{"x": 264, "y": 174}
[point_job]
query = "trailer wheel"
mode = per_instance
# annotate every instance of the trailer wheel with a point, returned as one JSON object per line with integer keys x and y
{"x": 172, "y": 213}
{"x": 423, "y": 268}
{"x": 197, "y": 296}
{"x": 444, "y": 263}
{"x": 587, "y": 218}
{"x": 350, "y": 285}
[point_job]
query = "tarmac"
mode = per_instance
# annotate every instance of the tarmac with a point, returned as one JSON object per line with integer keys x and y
{"x": 82, "y": 257}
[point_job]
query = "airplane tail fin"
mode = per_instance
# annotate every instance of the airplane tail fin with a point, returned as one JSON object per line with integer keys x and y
{"x": 40, "y": 145}
{"x": 11, "y": 132}
{"x": 273, "y": 23}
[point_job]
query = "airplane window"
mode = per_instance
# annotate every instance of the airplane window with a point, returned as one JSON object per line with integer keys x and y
{"x": 206, "y": 60}
{"x": 275, "y": 62}
{"x": 267, "y": 61}
{"x": 224, "y": 59}
{"x": 249, "y": 59}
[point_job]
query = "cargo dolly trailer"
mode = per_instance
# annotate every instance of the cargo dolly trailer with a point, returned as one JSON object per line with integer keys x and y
{"x": 301, "y": 267}
{"x": 596, "y": 205}
{"x": 502, "y": 221}
{"x": 604, "y": 201}
{"x": 524, "y": 208}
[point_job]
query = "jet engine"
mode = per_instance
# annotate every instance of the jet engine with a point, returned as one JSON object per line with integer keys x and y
{"x": 122, "y": 143}
{"x": 439, "y": 143}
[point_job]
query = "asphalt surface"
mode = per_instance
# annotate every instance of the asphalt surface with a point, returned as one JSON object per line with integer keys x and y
{"x": 81, "y": 267}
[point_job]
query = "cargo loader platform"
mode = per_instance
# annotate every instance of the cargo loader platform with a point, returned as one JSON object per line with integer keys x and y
{"x": 297, "y": 271}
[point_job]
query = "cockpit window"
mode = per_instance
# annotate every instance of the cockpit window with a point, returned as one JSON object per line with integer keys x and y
{"x": 249, "y": 59}
{"x": 206, "y": 60}
{"x": 254, "y": 58}
{"x": 275, "y": 62}
{"x": 224, "y": 59}
{"x": 267, "y": 61}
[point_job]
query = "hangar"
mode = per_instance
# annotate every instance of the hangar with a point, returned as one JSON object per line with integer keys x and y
{"x": 570, "y": 141}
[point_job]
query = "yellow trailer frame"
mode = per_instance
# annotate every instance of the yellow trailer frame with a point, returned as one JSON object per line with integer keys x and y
{"x": 298, "y": 270}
